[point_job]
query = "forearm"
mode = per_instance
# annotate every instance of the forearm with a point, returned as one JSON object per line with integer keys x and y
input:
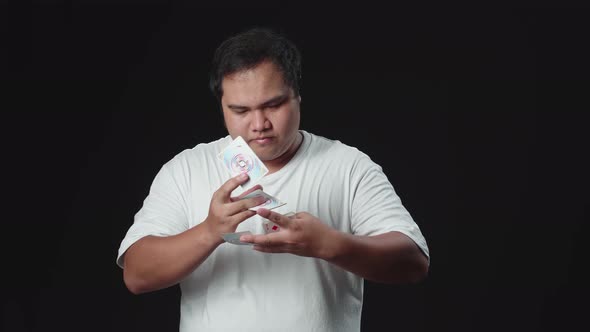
{"x": 154, "y": 263}
{"x": 387, "y": 258}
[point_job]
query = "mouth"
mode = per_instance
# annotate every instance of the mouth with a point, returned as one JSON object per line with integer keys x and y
{"x": 262, "y": 140}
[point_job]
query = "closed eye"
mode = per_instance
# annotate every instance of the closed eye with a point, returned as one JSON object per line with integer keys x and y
{"x": 238, "y": 110}
{"x": 276, "y": 103}
{"x": 273, "y": 104}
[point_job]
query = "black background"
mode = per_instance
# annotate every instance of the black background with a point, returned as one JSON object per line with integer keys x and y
{"x": 475, "y": 114}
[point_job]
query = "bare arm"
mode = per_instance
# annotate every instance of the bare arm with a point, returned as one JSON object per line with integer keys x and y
{"x": 388, "y": 258}
{"x": 154, "y": 262}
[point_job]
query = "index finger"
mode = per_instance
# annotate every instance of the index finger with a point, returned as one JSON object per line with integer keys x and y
{"x": 230, "y": 185}
{"x": 266, "y": 240}
{"x": 277, "y": 218}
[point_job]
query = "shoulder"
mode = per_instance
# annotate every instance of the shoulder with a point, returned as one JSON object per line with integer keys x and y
{"x": 337, "y": 153}
{"x": 327, "y": 147}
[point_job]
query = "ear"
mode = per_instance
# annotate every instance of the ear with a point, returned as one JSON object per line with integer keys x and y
{"x": 299, "y": 98}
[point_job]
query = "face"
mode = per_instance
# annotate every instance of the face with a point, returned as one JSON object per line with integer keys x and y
{"x": 260, "y": 107}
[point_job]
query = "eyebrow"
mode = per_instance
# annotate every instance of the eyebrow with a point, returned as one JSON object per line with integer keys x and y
{"x": 273, "y": 101}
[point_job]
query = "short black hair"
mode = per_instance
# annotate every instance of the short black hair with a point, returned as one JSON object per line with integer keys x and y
{"x": 248, "y": 49}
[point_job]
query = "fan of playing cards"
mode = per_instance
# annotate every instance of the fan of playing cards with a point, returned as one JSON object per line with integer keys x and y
{"x": 239, "y": 158}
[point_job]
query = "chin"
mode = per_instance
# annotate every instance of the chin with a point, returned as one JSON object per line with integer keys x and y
{"x": 265, "y": 156}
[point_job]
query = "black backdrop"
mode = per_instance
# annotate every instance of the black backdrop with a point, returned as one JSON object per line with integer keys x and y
{"x": 476, "y": 116}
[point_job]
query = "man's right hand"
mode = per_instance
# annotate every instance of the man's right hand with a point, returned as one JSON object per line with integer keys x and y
{"x": 226, "y": 212}
{"x": 156, "y": 262}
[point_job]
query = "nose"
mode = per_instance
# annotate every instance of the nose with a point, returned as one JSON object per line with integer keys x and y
{"x": 260, "y": 121}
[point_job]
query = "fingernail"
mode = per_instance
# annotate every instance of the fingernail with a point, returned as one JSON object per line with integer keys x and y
{"x": 243, "y": 176}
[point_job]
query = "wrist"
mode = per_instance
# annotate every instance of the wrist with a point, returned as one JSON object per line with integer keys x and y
{"x": 209, "y": 235}
{"x": 334, "y": 245}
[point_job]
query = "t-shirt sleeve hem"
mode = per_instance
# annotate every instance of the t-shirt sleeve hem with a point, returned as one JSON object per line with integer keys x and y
{"x": 127, "y": 242}
{"x": 418, "y": 240}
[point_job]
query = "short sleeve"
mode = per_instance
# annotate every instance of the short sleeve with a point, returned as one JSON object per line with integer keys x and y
{"x": 163, "y": 212}
{"x": 376, "y": 208}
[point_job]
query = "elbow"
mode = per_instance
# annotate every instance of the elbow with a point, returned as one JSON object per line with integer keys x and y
{"x": 418, "y": 268}
{"x": 410, "y": 272}
{"x": 133, "y": 284}
{"x": 420, "y": 271}
{"x": 133, "y": 280}
{"x": 133, "y": 288}
{"x": 414, "y": 271}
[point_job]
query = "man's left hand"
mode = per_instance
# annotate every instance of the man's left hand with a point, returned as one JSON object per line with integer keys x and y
{"x": 301, "y": 234}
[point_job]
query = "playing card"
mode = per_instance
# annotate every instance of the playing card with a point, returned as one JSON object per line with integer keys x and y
{"x": 239, "y": 158}
{"x": 271, "y": 227}
{"x": 270, "y": 203}
{"x": 234, "y": 238}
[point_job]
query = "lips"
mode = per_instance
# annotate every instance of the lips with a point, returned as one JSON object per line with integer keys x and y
{"x": 262, "y": 140}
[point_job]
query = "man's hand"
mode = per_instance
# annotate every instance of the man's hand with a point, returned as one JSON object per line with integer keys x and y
{"x": 390, "y": 257}
{"x": 226, "y": 212}
{"x": 301, "y": 234}
{"x": 156, "y": 262}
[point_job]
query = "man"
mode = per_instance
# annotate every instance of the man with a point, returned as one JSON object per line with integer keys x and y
{"x": 349, "y": 225}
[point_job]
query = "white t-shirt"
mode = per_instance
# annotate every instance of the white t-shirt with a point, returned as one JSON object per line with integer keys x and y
{"x": 239, "y": 289}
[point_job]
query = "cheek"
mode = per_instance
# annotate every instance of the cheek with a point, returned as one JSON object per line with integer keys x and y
{"x": 233, "y": 124}
{"x": 294, "y": 119}
{"x": 279, "y": 123}
{"x": 288, "y": 120}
